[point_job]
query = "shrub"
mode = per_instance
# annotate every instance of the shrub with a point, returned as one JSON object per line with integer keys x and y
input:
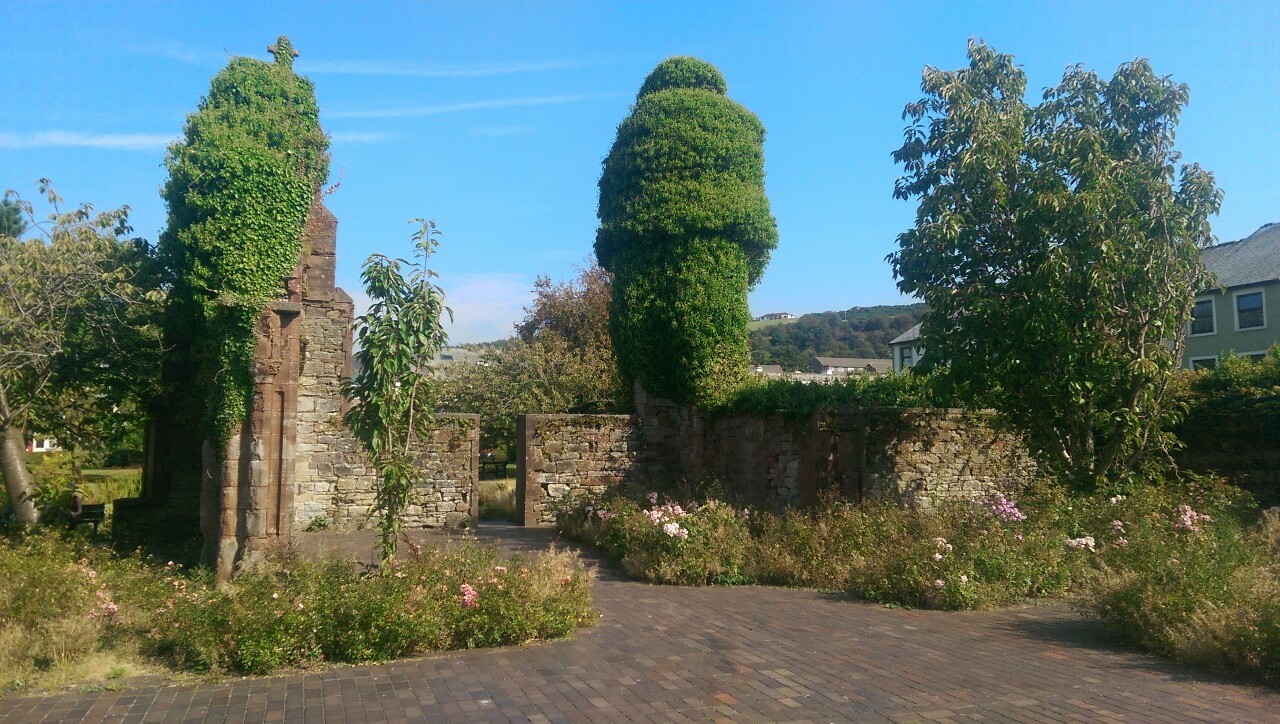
{"x": 63, "y": 598}
{"x": 1187, "y": 580}
{"x": 665, "y": 543}
{"x": 292, "y": 611}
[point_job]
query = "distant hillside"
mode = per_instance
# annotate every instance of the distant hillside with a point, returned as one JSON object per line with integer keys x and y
{"x": 856, "y": 332}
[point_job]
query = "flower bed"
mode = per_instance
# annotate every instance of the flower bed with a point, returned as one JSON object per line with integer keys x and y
{"x": 63, "y": 600}
{"x": 1173, "y": 567}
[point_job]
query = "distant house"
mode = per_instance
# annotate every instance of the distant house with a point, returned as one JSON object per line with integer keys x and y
{"x": 775, "y": 315}
{"x": 849, "y": 366}
{"x": 1243, "y": 312}
{"x": 907, "y": 349}
{"x": 453, "y": 355}
{"x": 768, "y": 370}
{"x": 42, "y": 445}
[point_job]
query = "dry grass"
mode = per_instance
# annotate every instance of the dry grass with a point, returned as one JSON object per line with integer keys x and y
{"x": 498, "y": 499}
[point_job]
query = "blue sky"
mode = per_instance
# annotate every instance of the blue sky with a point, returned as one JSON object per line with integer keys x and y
{"x": 493, "y": 117}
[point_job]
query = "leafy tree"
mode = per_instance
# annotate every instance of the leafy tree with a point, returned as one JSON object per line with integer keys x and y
{"x": 241, "y": 181}
{"x": 685, "y": 230}
{"x": 561, "y": 361}
{"x": 13, "y": 223}
{"x": 76, "y": 310}
{"x": 1056, "y": 252}
{"x": 391, "y": 396}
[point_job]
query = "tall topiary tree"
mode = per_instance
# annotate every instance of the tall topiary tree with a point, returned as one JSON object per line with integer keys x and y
{"x": 686, "y": 231}
{"x": 241, "y": 180}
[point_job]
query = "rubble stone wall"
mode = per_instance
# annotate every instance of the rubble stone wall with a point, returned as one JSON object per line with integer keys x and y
{"x": 560, "y": 456}
{"x": 913, "y": 457}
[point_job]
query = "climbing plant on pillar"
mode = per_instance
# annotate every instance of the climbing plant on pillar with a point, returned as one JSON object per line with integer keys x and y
{"x": 685, "y": 229}
{"x": 391, "y": 392}
{"x": 241, "y": 180}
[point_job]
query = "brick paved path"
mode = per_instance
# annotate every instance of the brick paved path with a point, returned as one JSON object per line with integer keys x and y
{"x": 740, "y": 654}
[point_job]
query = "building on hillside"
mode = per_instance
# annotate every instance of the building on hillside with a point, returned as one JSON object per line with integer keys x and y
{"x": 768, "y": 370}
{"x": 453, "y": 355}
{"x": 907, "y": 349}
{"x": 1242, "y": 312}
{"x": 775, "y": 315}
{"x": 849, "y": 366}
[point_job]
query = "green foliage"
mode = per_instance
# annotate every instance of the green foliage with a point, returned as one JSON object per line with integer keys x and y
{"x": 683, "y": 71}
{"x": 293, "y": 611}
{"x": 970, "y": 554}
{"x": 1057, "y": 253}
{"x": 1206, "y": 593}
{"x": 13, "y": 222}
{"x": 799, "y": 399}
{"x": 706, "y": 544}
{"x": 685, "y": 229}
{"x": 497, "y": 500}
{"x": 241, "y": 181}
{"x": 64, "y": 598}
{"x": 1239, "y": 388}
{"x": 561, "y": 361}
{"x": 79, "y": 347}
{"x": 679, "y": 322}
{"x": 857, "y": 332}
{"x": 392, "y": 393}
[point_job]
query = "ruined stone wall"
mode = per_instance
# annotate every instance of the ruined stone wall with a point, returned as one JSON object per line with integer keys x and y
{"x": 333, "y": 480}
{"x": 344, "y": 497}
{"x": 914, "y": 457}
{"x": 560, "y": 456}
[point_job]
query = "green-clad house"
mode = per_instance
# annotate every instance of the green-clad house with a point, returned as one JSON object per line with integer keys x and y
{"x": 1242, "y": 313}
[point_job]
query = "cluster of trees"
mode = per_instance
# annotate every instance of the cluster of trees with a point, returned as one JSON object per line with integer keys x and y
{"x": 79, "y": 339}
{"x": 1056, "y": 248}
{"x": 857, "y": 332}
{"x": 560, "y": 360}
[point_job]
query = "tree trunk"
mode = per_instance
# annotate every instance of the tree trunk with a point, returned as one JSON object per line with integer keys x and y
{"x": 17, "y": 478}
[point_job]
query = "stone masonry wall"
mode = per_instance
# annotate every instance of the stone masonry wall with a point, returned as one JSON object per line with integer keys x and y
{"x": 914, "y": 457}
{"x": 560, "y": 456}
{"x": 332, "y": 479}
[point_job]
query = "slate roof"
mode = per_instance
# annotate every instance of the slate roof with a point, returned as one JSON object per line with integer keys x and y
{"x": 769, "y": 369}
{"x": 1251, "y": 260}
{"x": 910, "y": 335}
{"x": 879, "y": 365}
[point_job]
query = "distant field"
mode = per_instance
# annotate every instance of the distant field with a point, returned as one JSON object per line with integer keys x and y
{"x": 762, "y": 323}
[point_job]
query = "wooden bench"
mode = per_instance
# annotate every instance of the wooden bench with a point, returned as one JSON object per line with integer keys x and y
{"x": 496, "y": 468}
{"x": 93, "y": 513}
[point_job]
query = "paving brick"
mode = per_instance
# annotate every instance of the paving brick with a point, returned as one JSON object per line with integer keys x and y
{"x": 723, "y": 654}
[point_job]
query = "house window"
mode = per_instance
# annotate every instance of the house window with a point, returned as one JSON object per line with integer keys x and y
{"x": 1202, "y": 317}
{"x": 908, "y": 358}
{"x": 1249, "y": 311}
{"x": 1204, "y": 363}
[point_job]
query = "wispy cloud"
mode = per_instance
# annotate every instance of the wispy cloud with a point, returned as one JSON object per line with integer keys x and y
{"x": 360, "y": 136}
{"x": 76, "y": 139}
{"x": 181, "y": 53}
{"x": 485, "y": 306}
{"x": 495, "y": 103}
{"x": 191, "y": 55}
{"x": 499, "y": 130}
{"x": 431, "y": 70}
